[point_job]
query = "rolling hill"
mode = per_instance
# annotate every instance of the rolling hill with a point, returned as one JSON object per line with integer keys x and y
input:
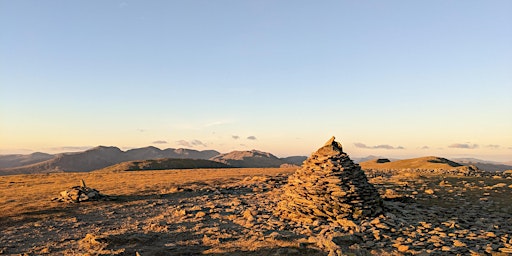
{"x": 163, "y": 164}
{"x": 429, "y": 162}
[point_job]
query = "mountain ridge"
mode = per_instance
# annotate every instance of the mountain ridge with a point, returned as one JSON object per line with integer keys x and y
{"x": 103, "y": 156}
{"x": 249, "y": 158}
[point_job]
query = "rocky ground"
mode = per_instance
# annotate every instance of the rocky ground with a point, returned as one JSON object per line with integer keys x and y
{"x": 234, "y": 215}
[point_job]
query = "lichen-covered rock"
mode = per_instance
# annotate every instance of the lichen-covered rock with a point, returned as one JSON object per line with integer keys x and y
{"x": 329, "y": 187}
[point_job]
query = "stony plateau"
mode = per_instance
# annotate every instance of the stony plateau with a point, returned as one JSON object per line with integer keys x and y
{"x": 254, "y": 212}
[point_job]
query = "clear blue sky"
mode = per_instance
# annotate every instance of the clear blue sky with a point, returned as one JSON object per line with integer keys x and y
{"x": 391, "y": 78}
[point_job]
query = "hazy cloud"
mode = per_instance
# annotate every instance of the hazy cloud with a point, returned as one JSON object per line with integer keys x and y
{"x": 251, "y": 138}
{"x": 198, "y": 143}
{"x": 235, "y": 137}
{"x": 425, "y": 147}
{"x": 71, "y": 148}
{"x": 184, "y": 143}
{"x": 192, "y": 143}
{"x": 384, "y": 146}
{"x": 141, "y": 130}
{"x": 493, "y": 146}
{"x": 463, "y": 145}
{"x": 159, "y": 142}
{"x": 16, "y": 151}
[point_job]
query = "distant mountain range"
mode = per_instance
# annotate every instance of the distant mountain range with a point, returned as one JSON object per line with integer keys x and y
{"x": 485, "y": 165}
{"x": 93, "y": 159}
{"x": 8, "y": 161}
{"x": 102, "y": 156}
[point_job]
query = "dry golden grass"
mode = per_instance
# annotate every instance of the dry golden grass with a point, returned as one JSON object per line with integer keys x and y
{"x": 33, "y": 192}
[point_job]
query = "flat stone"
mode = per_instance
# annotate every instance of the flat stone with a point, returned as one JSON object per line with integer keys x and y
{"x": 458, "y": 243}
{"x": 402, "y": 248}
{"x": 200, "y": 214}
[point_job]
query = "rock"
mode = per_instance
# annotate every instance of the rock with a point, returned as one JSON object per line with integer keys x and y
{"x": 458, "y": 243}
{"x": 402, "y": 248}
{"x": 446, "y": 248}
{"x": 490, "y": 234}
{"x": 91, "y": 241}
{"x": 248, "y": 214}
{"x": 429, "y": 191}
{"x": 200, "y": 214}
{"x": 505, "y": 250}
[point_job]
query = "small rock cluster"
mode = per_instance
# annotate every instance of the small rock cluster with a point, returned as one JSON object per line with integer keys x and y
{"x": 329, "y": 187}
{"x": 79, "y": 194}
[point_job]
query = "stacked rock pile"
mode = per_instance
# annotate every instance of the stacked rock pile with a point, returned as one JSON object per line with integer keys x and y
{"x": 78, "y": 194}
{"x": 329, "y": 187}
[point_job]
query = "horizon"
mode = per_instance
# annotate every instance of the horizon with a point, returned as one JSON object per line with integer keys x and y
{"x": 396, "y": 79}
{"x": 376, "y": 155}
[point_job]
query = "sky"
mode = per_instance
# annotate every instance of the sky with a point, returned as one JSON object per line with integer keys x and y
{"x": 389, "y": 78}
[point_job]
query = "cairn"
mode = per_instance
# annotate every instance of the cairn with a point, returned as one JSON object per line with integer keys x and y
{"x": 79, "y": 194}
{"x": 329, "y": 187}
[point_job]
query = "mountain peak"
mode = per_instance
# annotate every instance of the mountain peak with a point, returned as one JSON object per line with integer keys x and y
{"x": 100, "y": 147}
{"x": 252, "y": 158}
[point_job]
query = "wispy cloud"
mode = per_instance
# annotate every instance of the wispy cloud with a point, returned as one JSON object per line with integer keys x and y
{"x": 159, "y": 142}
{"x": 463, "y": 145}
{"x": 141, "y": 130}
{"x": 235, "y": 137}
{"x": 216, "y": 123}
{"x": 197, "y": 126}
{"x": 383, "y": 146}
{"x": 251, "y": 138}
{"x": 191, "y": 143}
{"x": 493, "y": 146}
{"x": 425, "y": 147}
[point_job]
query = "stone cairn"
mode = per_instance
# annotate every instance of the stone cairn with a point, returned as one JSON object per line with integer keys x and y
{"x": 79, "y": 194}
{"x": 329, "y": 187}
